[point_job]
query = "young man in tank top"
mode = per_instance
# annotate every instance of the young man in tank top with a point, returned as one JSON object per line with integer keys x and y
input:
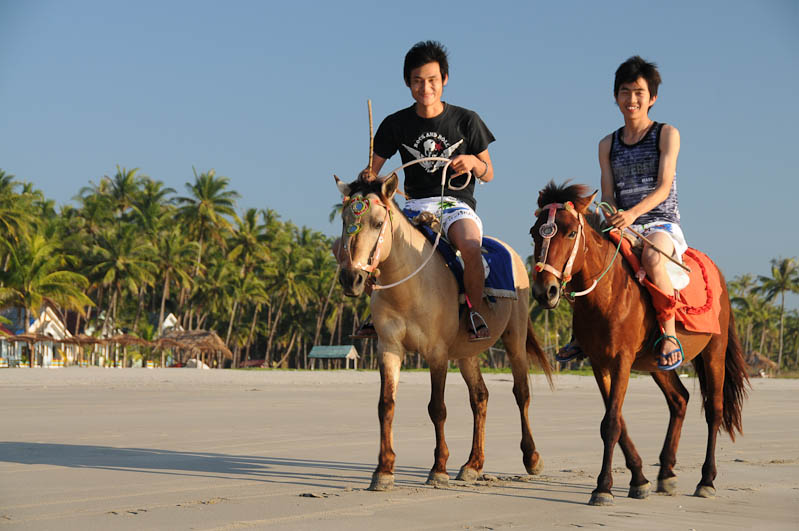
{"x": 639, "y": 165}
{"x": 431, "y": 127}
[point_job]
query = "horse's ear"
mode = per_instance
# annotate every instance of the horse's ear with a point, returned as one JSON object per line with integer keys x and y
{"x": 583, "y": 203}
{"x": 343, "y": 187}
{"x": 540, "y": 195}
{"x": 389, "y": 186}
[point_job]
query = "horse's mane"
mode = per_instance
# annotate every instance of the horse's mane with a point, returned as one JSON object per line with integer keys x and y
{"x": 365, "y": 188}
{"x": 554, "y": 193}
{"x": 561, "y": 193}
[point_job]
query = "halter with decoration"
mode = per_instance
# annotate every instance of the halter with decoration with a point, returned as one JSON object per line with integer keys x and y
{"x": 549, "y": 229}
{"x": 359, "y": 206}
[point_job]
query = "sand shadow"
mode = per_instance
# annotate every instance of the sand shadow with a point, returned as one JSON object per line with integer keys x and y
{"x": 310, "y": 472}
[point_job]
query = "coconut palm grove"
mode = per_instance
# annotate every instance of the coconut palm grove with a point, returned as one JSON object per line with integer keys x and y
{"x": 131, "y": 251}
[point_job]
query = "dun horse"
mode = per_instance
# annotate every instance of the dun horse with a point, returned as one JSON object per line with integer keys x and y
{"x": 616, "y": 327}
{"x": 421, "y": 315}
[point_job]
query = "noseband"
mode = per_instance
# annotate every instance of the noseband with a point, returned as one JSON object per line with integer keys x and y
{"x": 359, "y": 206}
{"x": 548, "y": 230}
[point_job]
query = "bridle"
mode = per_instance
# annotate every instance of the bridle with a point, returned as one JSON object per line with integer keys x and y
{"x": 359, "y": 206}
{"x": 374, "y": 259}
{"x": 548, "y": 230}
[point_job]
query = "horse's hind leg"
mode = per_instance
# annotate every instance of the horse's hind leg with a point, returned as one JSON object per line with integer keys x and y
{"x": 478, "y": 398}
{"x": 713, "y": 360}
{"x": 383, "y": 476}
{"x": 438, "y": 414}
{"x": 677, "y": 398}
{"x": 521, "y": 390}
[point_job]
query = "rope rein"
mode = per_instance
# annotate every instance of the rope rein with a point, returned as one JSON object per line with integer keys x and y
{"x": 444, "y": 184}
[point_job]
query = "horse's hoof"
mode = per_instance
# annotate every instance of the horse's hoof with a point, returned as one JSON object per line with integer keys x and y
{"x": 703, "y": 491}
{"x": 382, "y": 482}
{"x": 667, "y": 486}
{"x": 438, "y": 479}
{"x": 640, "y": 492}
{"x": 601, "y": 498}
{"x": 468, "y": 475}
{"x": 537, "y": 468}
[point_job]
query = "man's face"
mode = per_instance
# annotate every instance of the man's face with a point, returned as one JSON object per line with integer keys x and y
{"x": 634, "y": 99}
{"x": 426, "y": 84}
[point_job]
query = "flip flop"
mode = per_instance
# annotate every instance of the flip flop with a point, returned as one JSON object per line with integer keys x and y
{"x": 569, "y": 352}
{"x": 473, "y": 337}
{"x": 666, "y": 355}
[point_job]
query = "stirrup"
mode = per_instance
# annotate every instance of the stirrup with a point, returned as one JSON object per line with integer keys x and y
{"x": 477, "y": 324}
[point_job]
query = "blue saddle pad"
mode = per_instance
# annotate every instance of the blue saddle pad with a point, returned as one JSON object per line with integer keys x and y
{"x": 499, "y": 282}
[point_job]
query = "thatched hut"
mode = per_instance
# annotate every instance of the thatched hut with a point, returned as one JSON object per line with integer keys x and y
{"x": 203, "y": 344}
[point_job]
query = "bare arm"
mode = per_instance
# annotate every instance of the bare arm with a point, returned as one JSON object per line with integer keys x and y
{"x": 480, "y": 165}
{"x": 377, "y": 165}
{"x": 669, "y": 150}
{"x": 608, "y": 186}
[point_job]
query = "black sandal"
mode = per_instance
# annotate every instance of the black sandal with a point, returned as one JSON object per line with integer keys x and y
{"x": 365, "y": 331}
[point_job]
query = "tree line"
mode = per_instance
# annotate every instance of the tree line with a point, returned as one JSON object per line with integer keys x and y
{"x": 130, "y": 250}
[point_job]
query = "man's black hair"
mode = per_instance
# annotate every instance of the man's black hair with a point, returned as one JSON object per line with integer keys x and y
{"x": 632, "y": 69}
{"x": 424, "y": 52}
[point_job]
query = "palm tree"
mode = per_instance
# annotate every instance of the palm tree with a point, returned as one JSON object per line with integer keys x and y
{"x": 123, "y": 260}
{"x": 205, "y": 208}
{"x": 40, "y": 273}
{"x": 784, "y": 277}
{"x": 173, "y": 258}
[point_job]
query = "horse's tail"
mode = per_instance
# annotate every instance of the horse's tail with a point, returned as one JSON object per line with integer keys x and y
{"x": 736, "y": 381}
{"x": 536, "y": 354}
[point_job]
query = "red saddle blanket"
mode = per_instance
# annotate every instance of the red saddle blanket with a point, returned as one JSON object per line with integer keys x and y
{"x": 697, "y": 306}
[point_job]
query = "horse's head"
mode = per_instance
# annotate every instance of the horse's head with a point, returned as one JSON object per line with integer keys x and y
{"x": 366, "y": 230}
{"x": 559, "y": 239}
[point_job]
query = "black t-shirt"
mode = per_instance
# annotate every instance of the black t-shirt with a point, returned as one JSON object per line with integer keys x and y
{"x": 456, "y": 131}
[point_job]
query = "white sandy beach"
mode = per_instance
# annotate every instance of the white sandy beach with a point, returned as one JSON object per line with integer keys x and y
{"x": 192, "y": 449}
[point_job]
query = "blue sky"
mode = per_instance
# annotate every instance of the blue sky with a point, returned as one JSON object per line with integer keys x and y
{"x": 273, "y": 96}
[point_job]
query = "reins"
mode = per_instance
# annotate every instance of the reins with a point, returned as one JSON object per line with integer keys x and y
{"x": 444, "y": 183}
{"x": 549, "y": 229}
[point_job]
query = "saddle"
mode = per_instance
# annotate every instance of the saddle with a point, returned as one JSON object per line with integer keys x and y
{"x": 696, "y": 306}
{"x": 497, "y": 262}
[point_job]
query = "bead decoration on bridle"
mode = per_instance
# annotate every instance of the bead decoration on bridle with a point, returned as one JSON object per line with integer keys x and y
{"x": 359, "y": 205}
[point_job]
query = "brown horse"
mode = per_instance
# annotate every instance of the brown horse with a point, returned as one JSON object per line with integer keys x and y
{"x": 421, "y": 315}
{"x": 616, "y": 327}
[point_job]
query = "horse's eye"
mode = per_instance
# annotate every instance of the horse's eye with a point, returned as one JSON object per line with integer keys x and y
{"x": 572, "y": 235}
{"x": 378, "y": 225}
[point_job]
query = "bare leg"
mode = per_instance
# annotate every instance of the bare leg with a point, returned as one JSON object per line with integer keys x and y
{"x": 478, "y": 398}
{"x": 655, "y": 265}
{"x": 383, "y": 476}
{"x": 465, "y": 235}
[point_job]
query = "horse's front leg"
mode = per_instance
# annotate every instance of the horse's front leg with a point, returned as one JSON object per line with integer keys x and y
{"x": 677, "y": 398}
{"x": 478, "y": 398}
{"x": 612, "y": 429}
{"x": 383, "y": 476}
{"x": 438, "y": 414}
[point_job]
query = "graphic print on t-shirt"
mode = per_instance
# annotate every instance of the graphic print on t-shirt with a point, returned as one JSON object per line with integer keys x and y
{"x": 432, "y": 144}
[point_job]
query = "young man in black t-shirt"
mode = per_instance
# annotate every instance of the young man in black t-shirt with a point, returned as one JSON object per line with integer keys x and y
{"x": 433, "y": 128}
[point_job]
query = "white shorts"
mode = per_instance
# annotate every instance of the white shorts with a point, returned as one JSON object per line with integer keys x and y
{"x": 449, "y": 210}
{"x": 679, "y": 278}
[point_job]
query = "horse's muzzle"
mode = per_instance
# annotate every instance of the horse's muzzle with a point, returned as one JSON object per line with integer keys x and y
{"x": 353, "y": 281}
{"x": 547, "y": 293}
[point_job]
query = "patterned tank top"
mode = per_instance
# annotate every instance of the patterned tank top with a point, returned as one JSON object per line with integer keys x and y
{"x": 635, "y": 175}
